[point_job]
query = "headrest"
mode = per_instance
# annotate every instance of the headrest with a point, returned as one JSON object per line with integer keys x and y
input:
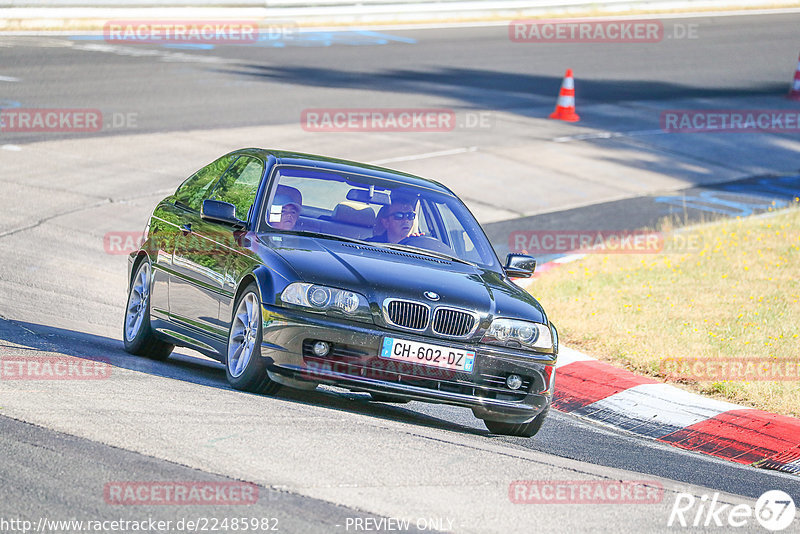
{"x": 357, "y": 213}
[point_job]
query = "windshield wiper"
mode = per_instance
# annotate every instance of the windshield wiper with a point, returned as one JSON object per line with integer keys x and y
{"x": 315, "y": 234}
{"x": 424, "y": 252}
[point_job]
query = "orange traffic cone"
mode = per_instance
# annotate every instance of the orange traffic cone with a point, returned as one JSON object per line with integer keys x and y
{"x": 565, "y": 107}
{"x": 794, "y": 93}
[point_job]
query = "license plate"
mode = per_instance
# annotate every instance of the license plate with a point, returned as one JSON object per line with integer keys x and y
{"x": 427, "y": 354}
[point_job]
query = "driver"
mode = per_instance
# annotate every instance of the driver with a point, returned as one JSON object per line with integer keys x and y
{"x": 398, "y": 220}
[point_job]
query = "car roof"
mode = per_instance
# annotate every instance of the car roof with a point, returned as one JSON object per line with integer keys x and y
{"x": 311, "y": 160}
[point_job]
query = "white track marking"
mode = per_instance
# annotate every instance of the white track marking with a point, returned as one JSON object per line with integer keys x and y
{"x": 426, "y": 155}
{"x": 147, "y": 52}
{"x": 606, "y": 135}
{"x": 567, "y": 356}
{"x": 662, "y": 404}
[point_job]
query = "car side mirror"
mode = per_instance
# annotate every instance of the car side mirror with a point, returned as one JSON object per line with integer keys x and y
{"x": 221, "y": 212}
{"x": 520, "y": 266}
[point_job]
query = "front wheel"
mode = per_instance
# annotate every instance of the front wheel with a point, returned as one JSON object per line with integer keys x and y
{"x": 244, "y": 366}
{"x": 524, "y": 430}
{"x": 137, "y": 335}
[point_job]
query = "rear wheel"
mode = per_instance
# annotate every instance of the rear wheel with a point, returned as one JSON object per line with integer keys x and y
{"x": 244, "y": 366}
{"x": 137, "y": 335}
{"x": 524, "y": 430}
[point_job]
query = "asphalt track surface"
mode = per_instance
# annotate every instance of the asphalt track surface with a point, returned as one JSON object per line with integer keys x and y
{"x": 40, "y": 463}
{"x": 466, "y": 68}
{"x": 159, "y": 421}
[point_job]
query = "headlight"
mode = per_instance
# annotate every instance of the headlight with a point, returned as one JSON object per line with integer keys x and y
{"x": 515, "y": 333}
{"x": 328, "y": 300}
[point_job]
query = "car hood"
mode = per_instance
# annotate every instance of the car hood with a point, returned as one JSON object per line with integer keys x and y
{"x": 379, "y": 273}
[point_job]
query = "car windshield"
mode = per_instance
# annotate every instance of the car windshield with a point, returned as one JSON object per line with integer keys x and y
{"x": 376, "y": 210}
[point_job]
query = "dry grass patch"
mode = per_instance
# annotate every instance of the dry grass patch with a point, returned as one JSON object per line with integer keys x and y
{"x": 736, "y": 297}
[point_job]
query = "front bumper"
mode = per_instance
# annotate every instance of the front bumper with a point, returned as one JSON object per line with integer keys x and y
{"x": 353, "y": 363}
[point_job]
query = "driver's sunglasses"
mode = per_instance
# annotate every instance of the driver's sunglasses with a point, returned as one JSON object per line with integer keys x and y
{"x": 400, "y": 215}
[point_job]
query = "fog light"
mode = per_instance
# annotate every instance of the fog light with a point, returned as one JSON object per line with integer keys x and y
{"x": 514, "y": 382}
{"x": 322, "y": 348}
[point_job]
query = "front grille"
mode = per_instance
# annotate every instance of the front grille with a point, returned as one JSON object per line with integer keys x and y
{"x": 406, "y": 314}
{"x": 358, "y": 362}
{"x": 449, "y": 322}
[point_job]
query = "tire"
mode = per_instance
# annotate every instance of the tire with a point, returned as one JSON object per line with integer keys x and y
{"x": 137, "y": 336}
{"x": 378, "y": 397}
{"x": 523, "y": 430}
{"x": 245, "y": 368}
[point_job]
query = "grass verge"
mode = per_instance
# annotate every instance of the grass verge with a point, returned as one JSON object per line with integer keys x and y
{"x": 731, "y": 302}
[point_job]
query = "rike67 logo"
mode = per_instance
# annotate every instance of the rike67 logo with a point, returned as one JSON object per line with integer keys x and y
{"x": 775, "y": 510}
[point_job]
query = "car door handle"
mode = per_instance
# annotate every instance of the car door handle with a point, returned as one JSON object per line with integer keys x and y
{"x": 186, "y": 229}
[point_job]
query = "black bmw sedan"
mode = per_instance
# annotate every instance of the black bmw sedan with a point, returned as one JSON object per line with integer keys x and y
{"x": 298, "y": 270}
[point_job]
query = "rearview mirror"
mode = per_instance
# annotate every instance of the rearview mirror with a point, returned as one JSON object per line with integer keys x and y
{"x": 363, "y": 195}
{"x": 520, "y": 266}
{"x": 222, "y": 212}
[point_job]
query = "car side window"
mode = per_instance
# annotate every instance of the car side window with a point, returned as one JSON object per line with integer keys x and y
{"x": 196, "y": 188}
{"x": 240, "y": 184}
{"x": 459, "y": 238}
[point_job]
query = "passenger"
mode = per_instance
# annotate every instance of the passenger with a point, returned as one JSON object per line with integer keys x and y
{"x": 397, "y": 220}
{"x": 286, "y": 207}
